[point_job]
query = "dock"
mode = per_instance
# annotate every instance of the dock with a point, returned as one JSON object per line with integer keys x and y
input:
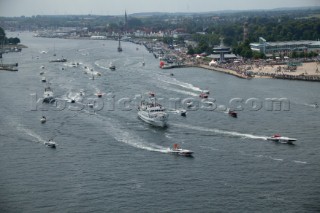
{"x": 9, "y": 67}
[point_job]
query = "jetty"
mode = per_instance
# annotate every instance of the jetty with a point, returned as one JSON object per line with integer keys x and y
{"x": 9, "y": 67}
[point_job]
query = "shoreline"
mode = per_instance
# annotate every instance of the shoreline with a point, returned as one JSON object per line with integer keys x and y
{"x": 308, "y": 71}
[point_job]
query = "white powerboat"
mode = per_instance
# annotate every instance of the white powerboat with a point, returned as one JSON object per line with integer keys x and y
{"x": 43, "y": 119}
{"x": 48, "y": 95}
{"x": 183, "y": 112}
{"x": 177, "y": 150}
{"x": 50, "y": 144}
{"x": 44, "y": 79}
{"x": 279, "y": 138}
{"x": 153, "y": 113}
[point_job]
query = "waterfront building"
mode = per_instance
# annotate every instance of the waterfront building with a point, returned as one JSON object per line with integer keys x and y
{"x": 285, "y": 47}
{"x": 221, "y": 52}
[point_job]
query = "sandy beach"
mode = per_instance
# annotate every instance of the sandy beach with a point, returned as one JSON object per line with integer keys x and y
{"x": 304, "y": 71}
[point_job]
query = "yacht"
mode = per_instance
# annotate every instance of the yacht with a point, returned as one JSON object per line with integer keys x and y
{"x": 153, "y": 113}
{"x": 177, "y": 150}
{"x": 279, "y": 138}
{"x": 48, "y": 95}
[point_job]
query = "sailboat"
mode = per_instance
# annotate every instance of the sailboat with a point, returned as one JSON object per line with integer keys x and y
{"x": 54, "y": 49}
{"x": 119, "y": 46}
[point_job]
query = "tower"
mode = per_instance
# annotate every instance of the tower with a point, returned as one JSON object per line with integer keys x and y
{"x": 125, "y": 21}
{"x": 245, "y": 31}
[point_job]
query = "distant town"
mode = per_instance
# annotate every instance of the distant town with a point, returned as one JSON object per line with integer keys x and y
{"x": 215, "y": 38}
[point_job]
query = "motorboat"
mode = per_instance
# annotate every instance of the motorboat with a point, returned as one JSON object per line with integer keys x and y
{"x": 233, "y": 113}
{"x": 203, "y": 95}
{"x": 43, "y": 119}
{"x": 48, "y": 95}
{"x": 59, "y": 60}
{"x": 279, "y": 138}
{"x": 178, "y": 151}
{"x": 50, "y": 144}
{"x": 90, "y": 105}
{"x": 151, "y": 94}
{"x": 99, "y": 94}
{"x": 44, "y": 79}
{"x": 112, "y": 67}
{"x": 153, "y": 113}
{"x": 183, "y": 112}
{"x": 81, "y": 93}
{"x": 41, "y": 73}
{"x": 206, "y": 91}
{"x": 72, "y": 100}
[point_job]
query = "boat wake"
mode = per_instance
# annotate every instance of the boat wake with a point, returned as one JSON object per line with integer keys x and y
{"x": 179, "y": 91}
{"x": 218, "y": 131}
{"x": 31, "y": 134}
{"x": 115, "y": 130}
{"x": 176, "y": 82}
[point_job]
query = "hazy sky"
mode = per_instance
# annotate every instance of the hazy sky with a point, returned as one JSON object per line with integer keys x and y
{"x": 11, "y": 8}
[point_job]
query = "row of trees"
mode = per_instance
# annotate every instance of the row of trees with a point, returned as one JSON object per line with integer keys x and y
{"x": 5, "y": 40}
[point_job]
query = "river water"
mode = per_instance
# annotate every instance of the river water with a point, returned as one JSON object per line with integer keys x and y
{"x": 108, "y": 160}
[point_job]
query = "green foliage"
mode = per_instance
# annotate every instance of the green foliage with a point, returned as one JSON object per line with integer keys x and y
{"x": 13, "y": 40}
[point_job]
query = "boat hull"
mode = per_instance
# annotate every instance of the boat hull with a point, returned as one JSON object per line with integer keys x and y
{"x": 152, "y": 121}
{"x": 282, "y": 140}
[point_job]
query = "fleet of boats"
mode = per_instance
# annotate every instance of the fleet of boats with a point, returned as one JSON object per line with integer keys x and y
{"x": 149, "y": 111}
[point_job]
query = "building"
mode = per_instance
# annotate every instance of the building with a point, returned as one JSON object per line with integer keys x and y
{"x": 222, "y": 53}
{"x": 285, "y": 47}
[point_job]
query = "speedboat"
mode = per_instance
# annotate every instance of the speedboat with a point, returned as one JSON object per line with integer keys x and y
{"x": 203, "y": 95}
{"x": 43, "y": 119}
{"x": 99, "y": 94}
{"x": 233, "y": 113}
{"x": 206, "y": 91}
{"x": 50, "y": 144}
{"x": 279, "y": 138}
{"x": 48, "y": 95}
{"x": 178, "y": 151}
{"x": 183, "y": 112}
{"x": 153, "y": 113}
{"x": 59, "y": 60}
{"x": 112, "y": 67}
{"x": 44, "y": 79}
{"x": 73, "y": 100}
